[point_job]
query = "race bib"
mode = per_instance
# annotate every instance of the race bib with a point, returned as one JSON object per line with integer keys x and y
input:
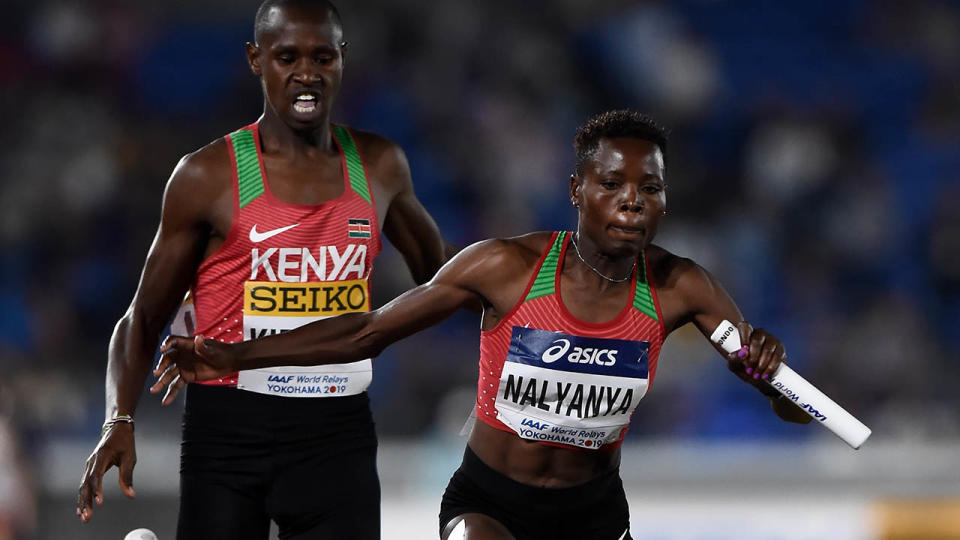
{"x": 271, "y": 307}
{"x": 184, "y": 323}
{"x": 568, "y": 389}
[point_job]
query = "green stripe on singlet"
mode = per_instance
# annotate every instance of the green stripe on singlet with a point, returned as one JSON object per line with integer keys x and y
{"x": 642, "y": 297}
{"x": 546, "y": 277}
{"x": 249, "y": 178}
{"x": 358, "y": 178}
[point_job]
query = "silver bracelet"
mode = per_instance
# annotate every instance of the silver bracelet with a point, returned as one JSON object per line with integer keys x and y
{"x": 120, "y": 418}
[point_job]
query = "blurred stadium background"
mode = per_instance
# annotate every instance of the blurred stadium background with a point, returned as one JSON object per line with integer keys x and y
{"x": 818, "y": 141}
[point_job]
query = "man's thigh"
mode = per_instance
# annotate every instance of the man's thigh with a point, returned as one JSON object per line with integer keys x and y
{"x": 328, "y": 497}
{"x": 210, "y": 509}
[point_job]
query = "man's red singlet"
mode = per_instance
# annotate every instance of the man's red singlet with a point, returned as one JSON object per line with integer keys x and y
{"x": 284, "y": 265}
{"x": 551, "y": 377}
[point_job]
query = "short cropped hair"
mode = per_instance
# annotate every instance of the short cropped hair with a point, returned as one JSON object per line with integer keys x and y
{"x": 619, "y": 123}
{"x": 260, "y": 22}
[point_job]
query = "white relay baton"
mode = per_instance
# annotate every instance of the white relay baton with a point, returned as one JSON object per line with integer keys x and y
{"x": 795, "y": 388}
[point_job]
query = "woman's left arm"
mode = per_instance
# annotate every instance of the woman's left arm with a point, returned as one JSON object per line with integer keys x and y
{"x": 707, "y": 304}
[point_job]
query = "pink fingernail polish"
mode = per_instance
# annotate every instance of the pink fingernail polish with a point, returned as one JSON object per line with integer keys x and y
{"x": 749, "y": 371}
{"x": 743, "y": 352}
{"x": 765, "y": 376}
{"x": 756, "y": 375}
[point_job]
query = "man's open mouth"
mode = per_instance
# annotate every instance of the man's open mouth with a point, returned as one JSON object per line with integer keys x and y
{"x": 305, "y": 102}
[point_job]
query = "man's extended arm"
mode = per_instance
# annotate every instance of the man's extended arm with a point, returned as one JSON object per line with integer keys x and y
{"x": 173, "y": 257}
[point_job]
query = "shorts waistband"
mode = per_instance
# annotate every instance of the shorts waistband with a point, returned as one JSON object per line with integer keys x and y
{"x": 229, "y": 400}
{"x": 495, "y": 482}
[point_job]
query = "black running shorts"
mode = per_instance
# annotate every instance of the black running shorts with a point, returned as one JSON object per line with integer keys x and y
{"x": 596, "y": 509}
{"x": 309, "y": 464}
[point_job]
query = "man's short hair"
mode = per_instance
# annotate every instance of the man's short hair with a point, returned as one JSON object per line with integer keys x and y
{"x": 619, "y": 123}
{"x": 261, "y": 24}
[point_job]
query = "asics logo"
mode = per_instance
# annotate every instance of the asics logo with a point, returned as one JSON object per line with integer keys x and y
{"x": 579, "y": 355}
{"x": 256, "y": 236}
{"x": 556, "y": 351}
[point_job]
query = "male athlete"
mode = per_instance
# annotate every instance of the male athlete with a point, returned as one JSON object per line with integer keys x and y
{"x": 572, "y": 329}
{"x": 271, "y": 227}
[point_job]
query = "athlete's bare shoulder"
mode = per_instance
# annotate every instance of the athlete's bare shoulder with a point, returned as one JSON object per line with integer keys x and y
{"x": 669, "y": 270}
{"x": 200, "y": 190}
{"x": 375, "y": 147}
{"x": 499, "y": 261}
{"x": 384, "y": 160}
{"x": 516, "y": 251}
{"x": 683, "y": 286}
{"x": 531, "y": 246}
{"x": 499, "y": 269}
{"x": 207, "y": 166}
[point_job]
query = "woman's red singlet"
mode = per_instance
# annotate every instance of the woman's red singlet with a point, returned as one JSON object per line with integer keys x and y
{"x": 550, "y": 377}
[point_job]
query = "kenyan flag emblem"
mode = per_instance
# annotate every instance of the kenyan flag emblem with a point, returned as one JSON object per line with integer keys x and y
{"x": 358, "y": 228}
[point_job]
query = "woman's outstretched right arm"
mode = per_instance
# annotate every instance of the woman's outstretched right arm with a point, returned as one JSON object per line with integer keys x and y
{"x": 463, "y": 281}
